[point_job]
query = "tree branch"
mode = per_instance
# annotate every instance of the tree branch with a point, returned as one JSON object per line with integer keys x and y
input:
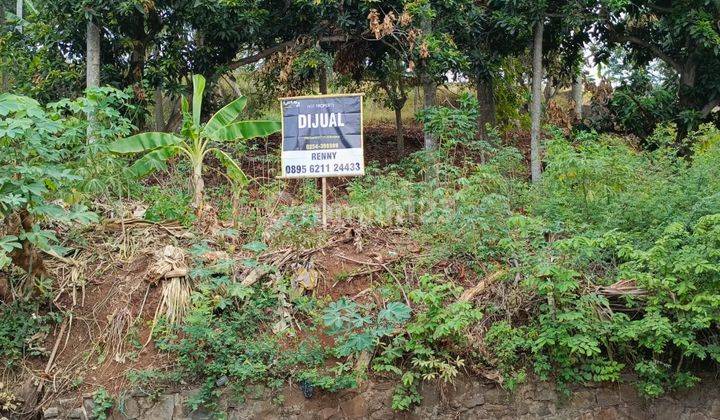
{"x": 644, "y": 44}
{"x": 279, "y": 47}
{"x": 659, "y": 8}
{"x": 707, "y": 109}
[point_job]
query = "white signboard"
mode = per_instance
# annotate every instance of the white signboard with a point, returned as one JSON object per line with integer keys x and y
{"x": 322, "y": 136}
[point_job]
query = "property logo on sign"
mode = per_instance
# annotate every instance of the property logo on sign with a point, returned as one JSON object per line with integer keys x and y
{"x": 322, "y": 136}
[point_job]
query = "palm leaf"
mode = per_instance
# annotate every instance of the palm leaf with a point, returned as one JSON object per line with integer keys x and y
{"x": 226, "y": 115}
{"x": 247, "y": 130}
{"x": 143, "y": 142}
{"x": 152, "y": 161}
{"x": 198, "y": 89}
{"x": 236, "y": 175}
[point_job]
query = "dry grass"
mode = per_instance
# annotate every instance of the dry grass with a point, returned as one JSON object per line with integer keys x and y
{"x": 175, "y": 301}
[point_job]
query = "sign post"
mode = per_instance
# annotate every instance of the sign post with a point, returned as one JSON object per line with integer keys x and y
{"x": 322, "y": 137}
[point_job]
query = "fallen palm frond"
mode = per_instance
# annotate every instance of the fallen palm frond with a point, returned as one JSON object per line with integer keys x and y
{"x": 70, "y": 275}
{"x": 470, "y": 293}
{"x": 171, "y": 227}
{"x": 622, "y": 288}
{"x": 117, "y": 330}
{"x": 169, "y": 263}
{"x": 175, "y": 301}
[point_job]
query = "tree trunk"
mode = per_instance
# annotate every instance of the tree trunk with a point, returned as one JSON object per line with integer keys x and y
{"x": 322, "y": 76}
{"x": 92, "y": 72}
{"x": 486, "y": 106}
{"x": 175, "y": 117}
{"x": 577, "y": 94}
{"x": 429, "y": 93}
{"x": 159, "y": 110}
{"x": 685, "y": 102}
{"x": 19, "y": 12}
{"x": 137, "y": 62}
{"x": 27, "y": 257}
{"x": 536, "y": 106}
{"x": 549, "y": 91}
{"x": 93, "y": 55}
{"x": 198, "y": 186}
{"x": 399, "y": 131}
{"x": 429, "y": 88}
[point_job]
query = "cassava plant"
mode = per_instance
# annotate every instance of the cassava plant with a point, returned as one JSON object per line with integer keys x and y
{"x": 196, "y": 140}
{"x": 37, "y": 176}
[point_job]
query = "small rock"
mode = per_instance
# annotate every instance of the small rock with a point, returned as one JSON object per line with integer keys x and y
{"x": 539, "y": 408}
{"x": 715, "y": 409}
{"x": 495, "y": 396}
{"x": 131, "y": 408}
{"x": 496, "y": 410}
{"x": 666, "y": 410}
{"x": 67, "y": 404}
{"x": 78, "y": 413}
{"x": 606, "y": 397}
{"x": 546, "y": 393}
{"x": 327, "y": 413}
{"x": 430, "y": 393}
{"x": 164, "y": 408}
{"x": 356, "y": 408}
{"x": 382, "y": 414}
{"x": 88, "y": 405}
{"x": 608, "y": 413}
{"x": 138, "y": 393}
{"x": 51, "y": 413}
{"x": 632, "y": 411}
{"x": 473, "y": 400}
{"x": 200, "y": 414}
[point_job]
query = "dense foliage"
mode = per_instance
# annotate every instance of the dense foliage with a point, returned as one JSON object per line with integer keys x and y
{"x": 47, "y": 168}
{"x": 607, "y": 264}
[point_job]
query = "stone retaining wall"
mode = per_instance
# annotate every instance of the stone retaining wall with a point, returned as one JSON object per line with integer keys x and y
{"x": 466, "y": 399}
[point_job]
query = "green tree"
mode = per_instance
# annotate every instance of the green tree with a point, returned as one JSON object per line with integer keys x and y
{"x": 683, "y": 34}
{"x": 559, "y": 28}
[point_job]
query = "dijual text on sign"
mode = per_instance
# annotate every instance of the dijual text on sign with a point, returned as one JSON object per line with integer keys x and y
{"x": 322, "y": 136}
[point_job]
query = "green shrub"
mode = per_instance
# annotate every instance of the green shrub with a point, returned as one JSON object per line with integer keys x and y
{"x": 103, "y": 402}
{"x": 20, "y": 324}
{"x": 227, "y": 340}
{"x": 356, "y": 332}
{"x": 615, "y": 214}
{"x": 168, "y": 204}
{"x": 431, "y": 343}
{"x": 35, "y": 173}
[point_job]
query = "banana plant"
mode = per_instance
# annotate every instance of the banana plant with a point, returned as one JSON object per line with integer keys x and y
{"x": 196, "y": 140}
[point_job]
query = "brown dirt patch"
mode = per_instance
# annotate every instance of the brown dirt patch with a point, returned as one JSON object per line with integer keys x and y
{"x": 95, "y": 351}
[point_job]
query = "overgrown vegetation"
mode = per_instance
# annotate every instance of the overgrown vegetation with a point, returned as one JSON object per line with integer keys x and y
{"x": 583, "y": 251}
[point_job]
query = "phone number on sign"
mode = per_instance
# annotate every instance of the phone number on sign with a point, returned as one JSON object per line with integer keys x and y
{"x": 322, "y": 168}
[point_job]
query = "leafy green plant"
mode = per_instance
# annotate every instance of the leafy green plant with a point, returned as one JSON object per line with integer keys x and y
{"x": 103, "y": 402}
{"x": 36, "y": 173}
{"x": 428, "y": 348}
{"x": 196, "y": 141}
{"x": 225, "y": 341}
{"x": 20, "y": 323}
{"x": 168, "y": 204}
{"x": 101, "y": 173}
{"x": 452, "y": 126}
{"x": 296, "y": 227}
{"x": 356, "y": 332}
